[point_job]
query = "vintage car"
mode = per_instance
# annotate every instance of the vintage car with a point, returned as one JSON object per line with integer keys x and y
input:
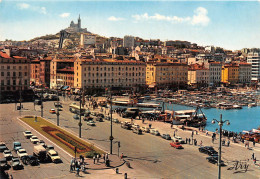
{"x": 52, "y": 111}
{"x": 27, "y": 134}
{"x": 208, "y": 150}
{"x": 21, "y": 153}
{"x": 3, "y": 164}
{"x": 155, "y": 132}
{"x": 2, "y": 147}
{"x": 91, "y": 123}
{"x": 34, "y": 139}
{"x": 53, "y": 156}
{"x": 8, "y": 154}
{"x": 16, "y": 164}
{"x": 176, "y": 145}
{"x": 166, "y": 136}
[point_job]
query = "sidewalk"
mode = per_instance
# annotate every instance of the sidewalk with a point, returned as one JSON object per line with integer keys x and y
{"x": 114, "y": 163}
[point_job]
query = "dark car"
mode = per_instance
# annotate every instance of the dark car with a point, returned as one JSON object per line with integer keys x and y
{"x": 107, "y": 118}
{"x": 3, "y": 147}
{"x": 166, "y": 136}
{"x": 3, "y": 164}
{"x": 32, "y": 160}
{"x": 214, "y": 160}
{"x": 100, "y": 115}
{"x": 16, "y": 164}
{"x": 208, "y": 150}
{"x": 99, "y": 119}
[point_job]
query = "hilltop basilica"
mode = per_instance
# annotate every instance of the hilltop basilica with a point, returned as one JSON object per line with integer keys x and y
{"x": 76, "y": 27}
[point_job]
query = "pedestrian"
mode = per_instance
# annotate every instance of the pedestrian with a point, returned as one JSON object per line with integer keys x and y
{"x": 212, "y": 139}
{"x": 253, "y": 156}
{"x": 196, "y": 132}
{"x": 150, "y": 125}
{"x": 201, "y": 143}
{"x": 186, "y": 140}
{"x": 189, "y": 140}
{"x": 228, "y": 142}
{"x": 207, "y": 133}
{"x": 77, "y": 167}
{"x": 94, "y": 159}
{"x": 254, "y": 160}
{"x": 195, "y": 142}
{"x": 192, "y": 133}
{"x": 171, "y": 125}
{"x": 104, "y": 157}
{"x": 254, "y": 143}
{"x": 97, "y": 158}
{"x": 107, "y": 157}
{"x": 142, "y": 120}
{"x": 174, "y": 134}
{"x": 122, "y": 155}
{"x": 71, "y": 164}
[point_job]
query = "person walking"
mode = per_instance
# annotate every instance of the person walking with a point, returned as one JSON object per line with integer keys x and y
{"x": 189, "y": 140}
{"x": 253, "y": 156}
{"x": 228, "y": 142}
{"x": 104, "y": 158}
{"x": 77, "y": 167}
{"x": 200, "y": 143}
{"x": 254, "y": 160}
{"x": 122, "y": 155}
{"x": 212, "y": 139}
{"x": 94, "y": 159}
{"x": 254, "y": 143}
{"x": 186, "y": 140}
{"x": 174, "y": 134}
{"x": 97, "y": 158}
{"x": 171, "y": 125}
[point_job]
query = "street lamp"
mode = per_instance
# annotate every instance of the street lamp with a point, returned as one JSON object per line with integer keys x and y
{"x": 80, "y": 124}
{"x": 220, "y": 123}
{"x": 111, "y": 129}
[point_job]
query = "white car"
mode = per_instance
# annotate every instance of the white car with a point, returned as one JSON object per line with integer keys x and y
{"x": 178, "y": 139}
{"x": 145, "y": 129}
{"x": 22, "y": 153}
{"x": 34, "y": 139}
{"x": 8, "y": 154}
{"x": 27, "y": 134}
{"x": 155, "y": 132}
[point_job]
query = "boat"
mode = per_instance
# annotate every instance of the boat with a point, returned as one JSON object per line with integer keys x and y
{"x": 237, "y": 107}
{"x": 192, "y": 118}
{"x": 252, "y": 105}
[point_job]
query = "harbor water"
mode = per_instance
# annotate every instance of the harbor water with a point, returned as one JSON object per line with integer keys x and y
{"x": 240, "y": 119}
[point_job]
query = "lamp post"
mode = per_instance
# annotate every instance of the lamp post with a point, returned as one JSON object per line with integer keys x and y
{"x": 111, "y": 129}
{"x": 80, "y": 124}
{"x": 58, "y": 110}
{"x": 220, "y": 123}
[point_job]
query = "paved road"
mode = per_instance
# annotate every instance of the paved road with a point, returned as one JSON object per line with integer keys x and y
{"x": 150, "y": 156}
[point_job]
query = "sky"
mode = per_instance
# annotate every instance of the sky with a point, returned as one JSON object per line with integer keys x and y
{"x": 229, "y": 24}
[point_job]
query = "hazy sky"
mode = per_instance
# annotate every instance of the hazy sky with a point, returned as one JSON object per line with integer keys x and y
{"x": 229, "y": 24}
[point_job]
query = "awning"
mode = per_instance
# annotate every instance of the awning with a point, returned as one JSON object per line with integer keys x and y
{"x": 65, "y": 87}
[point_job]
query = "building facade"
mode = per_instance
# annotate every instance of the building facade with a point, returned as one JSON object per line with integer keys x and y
{"x": 15, "y": 73}
{"x": 214, "y": 73}
{"x": 163, "y": 74}
{"x": 254, "y": 59}
{"x": 245, "y": 70}
{"x": 230, "y": 74}
{"x": 129, "y": 41}
{"x": 108, "y": 73}
{"x": 198, "y": 75}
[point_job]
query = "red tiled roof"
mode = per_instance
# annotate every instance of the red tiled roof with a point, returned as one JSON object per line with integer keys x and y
{"x": 4, "y": 55}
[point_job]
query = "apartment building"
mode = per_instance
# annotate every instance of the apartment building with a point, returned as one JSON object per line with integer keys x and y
{"x": 214, "y": 73}
{"x": 15, "y": 72}
{"x": 163, "y": 74}
{"x": 254, "y": 59}
{"x": 198, "y": 75}
{"x": 245, "y": 71}
{"x": 230, "y": 74}
{"x": 104, "y": 73}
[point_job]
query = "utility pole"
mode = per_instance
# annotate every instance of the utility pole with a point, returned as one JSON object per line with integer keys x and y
{"x": 111, "y": 129}
{"x": 41, "y": 103}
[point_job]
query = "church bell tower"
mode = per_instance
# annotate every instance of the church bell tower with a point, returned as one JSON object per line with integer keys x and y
{"x": 79, "y": 22}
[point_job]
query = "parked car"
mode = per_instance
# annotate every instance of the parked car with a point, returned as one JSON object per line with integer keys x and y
{"x": 115, "y": 120}
{"x": 32, "y": 160}
{"x": 208, "y": 150}
{"x": 91, "y": 123}
{"x": 27, "y": 134}
{"x": 50, "y": 147}
{"x": 99, "y": 119}
{"x": 176, "y": 145}
{"x": 166, "y": 136}
{"x": 87, "y": 118}
{"x": 76, "y": 116}
{"x": 145, "y": 129}
{"x": 3, "y": 164}
{"x": 126, "y": 125}
{"x": 34, "y": 139}
{"x": 178, "y": 139}
{"x": 41, "y": 142}
{"x": 3, "y": 147}
{"x": 54, "y": 157}
{"x": 155, "y": 132}
{"x": 107, "y": 118}
{"x": 8, "y": 154}
{"x": 93, "y": 113}
{"x": 17, "y": 146}
{"x": 52, "y": 111}
{"x": 100, "y": 115}
{"x": 21, "y": 153}
{"x": 16, "y": 164}
{"x": 137, "y": 131}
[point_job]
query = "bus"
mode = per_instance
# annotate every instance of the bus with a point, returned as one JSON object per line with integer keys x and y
{"x": 74, "y": 108}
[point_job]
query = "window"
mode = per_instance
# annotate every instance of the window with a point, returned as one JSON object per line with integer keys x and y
{"x": 25, "y": 67}
{"x": 20, "y": 67}
{"x": 25, "y": 73}
{"x": 25, "y": 82}
{"x": 8, "y": 82}
{"x": 2, "y": 82}
{"x": 8, "y": 73}
{"x": 8, "y": 67}
{"x": 2, "y": 73}
{"x": 15, "y": 67}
